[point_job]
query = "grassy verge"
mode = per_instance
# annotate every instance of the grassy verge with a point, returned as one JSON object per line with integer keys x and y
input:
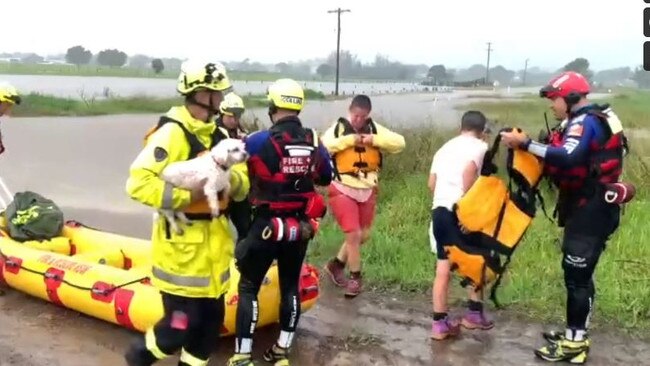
{"x": 398, "y": 256}
{"x": 34, "y": 105}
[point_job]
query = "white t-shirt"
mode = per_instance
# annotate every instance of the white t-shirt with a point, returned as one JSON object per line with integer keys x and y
{"x": 448, "y": 164}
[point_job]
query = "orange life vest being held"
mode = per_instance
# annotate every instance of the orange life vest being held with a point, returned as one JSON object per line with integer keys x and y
{"x": 359, "y": 158}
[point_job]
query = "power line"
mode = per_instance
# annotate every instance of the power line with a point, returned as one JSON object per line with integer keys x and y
{"x": 338, "y": 44}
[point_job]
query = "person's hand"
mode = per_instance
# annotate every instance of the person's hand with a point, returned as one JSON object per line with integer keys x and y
{"x": 514, "y": 139}
{"x": 357, "y": 139}
{"x": 366, "y": 139}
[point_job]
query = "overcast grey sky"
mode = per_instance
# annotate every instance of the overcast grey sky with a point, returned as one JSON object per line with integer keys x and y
{"x": 551, "y": 32}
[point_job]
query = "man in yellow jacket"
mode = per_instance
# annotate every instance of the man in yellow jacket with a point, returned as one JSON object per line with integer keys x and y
{"x": 8, "y": 99}
{"x": 191, "y": 270}
{"x": 356, "y": 145}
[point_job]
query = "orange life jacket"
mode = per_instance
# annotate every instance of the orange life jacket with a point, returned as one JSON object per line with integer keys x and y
{"x": 359, "y": 158}
{"x": 497, "y": 214}
{"x": 199, "y": 210}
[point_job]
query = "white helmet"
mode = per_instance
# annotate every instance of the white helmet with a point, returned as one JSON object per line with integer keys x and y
{"x": 232, "y": 105}
{"x": 199, "y": 74}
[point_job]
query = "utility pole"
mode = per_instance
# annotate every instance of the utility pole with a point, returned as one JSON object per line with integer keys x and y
{"x": 487, "y": 71}
{"x": 338, "y": 44}
{"x": 525, "y": 70}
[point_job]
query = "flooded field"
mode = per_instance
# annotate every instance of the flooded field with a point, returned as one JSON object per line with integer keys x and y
{"x": 86, "y": 86}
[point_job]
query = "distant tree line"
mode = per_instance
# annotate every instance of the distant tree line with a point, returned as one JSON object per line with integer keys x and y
{"x": 79, "y": 55}
{"x": 352, "y": 68}
{"x": 439, "y": 75}
{"x": 381, "y": 68}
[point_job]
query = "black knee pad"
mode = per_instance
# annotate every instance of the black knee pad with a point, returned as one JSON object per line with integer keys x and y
{"x": 579, "y": 260}
{"x": 170, "y": 340}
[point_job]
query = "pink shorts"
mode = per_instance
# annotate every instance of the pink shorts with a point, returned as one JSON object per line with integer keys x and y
{"x": 350, "y": 214}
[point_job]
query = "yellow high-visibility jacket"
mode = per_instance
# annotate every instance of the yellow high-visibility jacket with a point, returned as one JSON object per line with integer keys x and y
{"x": 196, "y": 263}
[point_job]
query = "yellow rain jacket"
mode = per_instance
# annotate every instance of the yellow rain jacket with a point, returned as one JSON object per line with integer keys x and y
{"x": 358, "y": 166}
{"x": 196, "y": 263}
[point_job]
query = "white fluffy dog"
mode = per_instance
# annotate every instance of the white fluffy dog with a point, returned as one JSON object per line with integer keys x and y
{"x": 210, "y": 171}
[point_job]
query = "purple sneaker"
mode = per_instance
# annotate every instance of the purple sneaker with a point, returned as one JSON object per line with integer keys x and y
{"x": 476, "y": 320}
{"x": 441, "y": 329}
{"x": 336, "y": 273}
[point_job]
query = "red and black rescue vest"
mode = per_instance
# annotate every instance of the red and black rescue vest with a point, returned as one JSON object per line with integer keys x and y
{"x": 605, "y": 162}
{"x": 282, "y": 178}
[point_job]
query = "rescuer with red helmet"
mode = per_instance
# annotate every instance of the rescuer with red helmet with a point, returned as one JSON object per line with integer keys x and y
{"x": 583, "y": 158}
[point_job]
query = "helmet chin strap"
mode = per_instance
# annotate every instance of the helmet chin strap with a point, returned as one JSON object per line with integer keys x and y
{"x": 571, "y": 101}
{"x": 210, "y": 108}
{"x": 271, "y": 111}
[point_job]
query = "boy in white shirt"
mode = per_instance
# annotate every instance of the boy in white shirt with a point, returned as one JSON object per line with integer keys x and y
{"x": 454, "y": 168}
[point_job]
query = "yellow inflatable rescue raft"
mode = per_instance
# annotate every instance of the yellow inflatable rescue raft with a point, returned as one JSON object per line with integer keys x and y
{"x": 106, "y": 275}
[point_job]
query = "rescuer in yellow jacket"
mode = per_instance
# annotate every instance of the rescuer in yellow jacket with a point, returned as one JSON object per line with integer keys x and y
{"x": 356, "y": 145}
{"x": 9, "y": 97}
{"x": 191, "y": 269}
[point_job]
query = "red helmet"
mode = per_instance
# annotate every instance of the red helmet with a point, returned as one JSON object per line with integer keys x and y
{"x": 566, "y": 84}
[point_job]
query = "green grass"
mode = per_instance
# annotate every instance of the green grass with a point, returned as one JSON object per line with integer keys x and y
{"x": 398, "y": 255}
{"x": 35, "y": 104}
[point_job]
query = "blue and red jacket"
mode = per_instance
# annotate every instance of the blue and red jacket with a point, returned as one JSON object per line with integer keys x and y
{"x": 584, "y": 152}
{"x": 285, "y": 164}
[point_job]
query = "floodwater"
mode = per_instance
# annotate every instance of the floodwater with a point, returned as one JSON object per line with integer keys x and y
{"x": 82, "y": 164}
{"x": 99, "y": 86}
